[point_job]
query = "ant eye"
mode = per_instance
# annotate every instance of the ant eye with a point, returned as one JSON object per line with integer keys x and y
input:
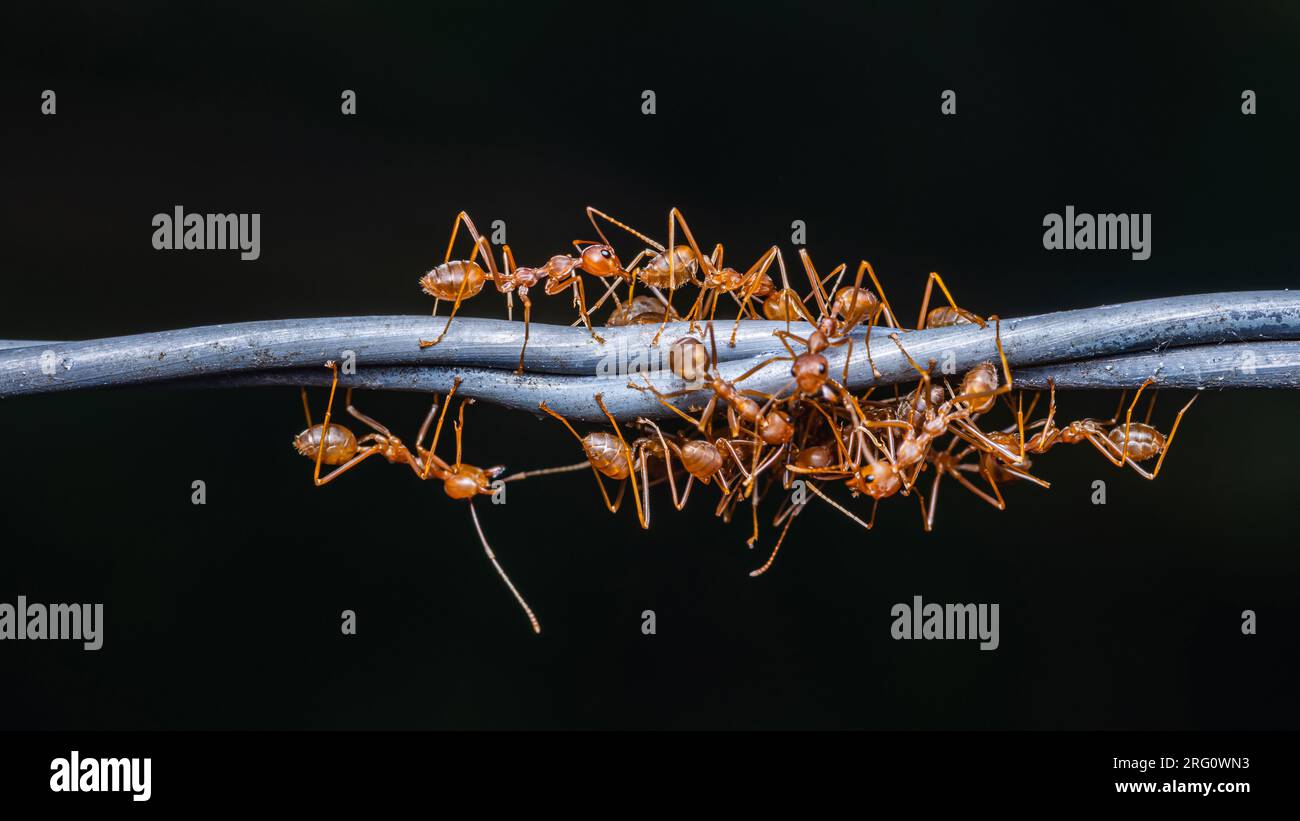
{"x": 605, "y": 253}
{"x": 821, "y": 367}
{"x": 794, "y": 371}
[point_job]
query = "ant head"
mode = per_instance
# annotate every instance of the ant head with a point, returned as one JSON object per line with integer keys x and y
{"x": 600, "y": 261}
{"x": 809, "y": 371}
{"x": 467, "y": 481}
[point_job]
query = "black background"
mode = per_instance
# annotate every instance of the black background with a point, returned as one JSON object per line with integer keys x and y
{"x": 227, "y": 615}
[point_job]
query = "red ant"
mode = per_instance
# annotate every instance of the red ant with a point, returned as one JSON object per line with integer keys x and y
{"x": 335, "y": 445}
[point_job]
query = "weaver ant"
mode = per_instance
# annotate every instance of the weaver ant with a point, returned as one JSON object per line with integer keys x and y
{"x": 1122, "y": 445}
{"x": 335, "y": 445}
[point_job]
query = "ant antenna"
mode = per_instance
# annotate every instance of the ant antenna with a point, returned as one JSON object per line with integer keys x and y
{"x": 528, "y": 611}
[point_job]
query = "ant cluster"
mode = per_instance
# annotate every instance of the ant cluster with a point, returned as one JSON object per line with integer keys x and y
{"x": 802, "y": 441}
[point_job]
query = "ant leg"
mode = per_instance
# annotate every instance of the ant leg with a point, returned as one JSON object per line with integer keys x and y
{"x": 582, "y": 307}
{"x": 750, "y": 281}
{"x": 969, "y": 485}
{"x": 424, "y": 426}
{"x": 324, "y": 435}
{"x": 885, "y": 307}
{"x": 925, "y": 374}
{"x": 686, "y": 492}
{"x": 610, "y": 291}
{"x": 1028, "y": 477}
{"x": 306, "y": 407}
{"x": 638, "y": 454}
{"x": 345, "y": 467}
{"x": 325, "y": 428}
{"x": 866, "y": 341}
{"x": 934, "y": 486}
{"x": 1168, "y": 443}
{"x": 528, "y": 611}
{"x": 786, "y": 338}
{"x": 663, "y": 398}
{"x": 612, "y": 507}
{"x": 1128, "y": 419}
{"x": 668, "y": 462}
{"x": 675, "y": 216}
{"x": 640, "y": 514}
{"x": 814, "y": 279}
{"x": 1105, "y": 447}
{"x": 459, "y": 427}
{"x": 740, "y": 463}
{"x": 362, "y": 417}
{"x": 437, "y": 431}
{"x": 760, "y": 366}
{"x": 1114, "y": 417}
{"x": 528, "y": 312}
{"x": 921, "y": 322}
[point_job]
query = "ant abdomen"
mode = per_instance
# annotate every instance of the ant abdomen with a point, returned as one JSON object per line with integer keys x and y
{"x": 983, "y": 378}
{"x": 946, "y": 317}
{"x": 853, "y": 305}
{"x": 671, "y": 269}
{"x": 701, "y": 459}
{"x": 458, "y": 277}
{"x": 780, "y": 307}
{"x": 340, "y": 444}
{"x": 817, "y": 456}
{"x": 1144, "y": 441}
{"x": 688, "y": 358}
{"x": 606, "y": 453}
{"x": 642, "y": 310}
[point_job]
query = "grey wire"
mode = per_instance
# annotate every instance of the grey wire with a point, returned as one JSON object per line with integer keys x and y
{"x": 567, "y": 368}
{"x": 1216, "y": 367}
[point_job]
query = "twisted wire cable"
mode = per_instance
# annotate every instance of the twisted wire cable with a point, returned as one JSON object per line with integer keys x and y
{"x": 1222, "y": 340}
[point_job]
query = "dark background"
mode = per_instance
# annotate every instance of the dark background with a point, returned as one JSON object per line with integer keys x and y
{"x": 227, "y": 615}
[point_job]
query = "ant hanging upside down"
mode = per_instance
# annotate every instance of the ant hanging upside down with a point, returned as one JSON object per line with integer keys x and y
{"x": 332, "y": 444}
